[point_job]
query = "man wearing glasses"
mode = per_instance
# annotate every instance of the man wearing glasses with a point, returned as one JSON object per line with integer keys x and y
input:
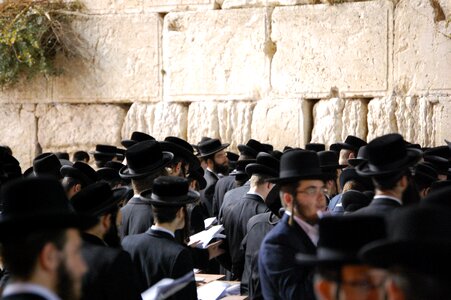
{"x": 302, "y": 194}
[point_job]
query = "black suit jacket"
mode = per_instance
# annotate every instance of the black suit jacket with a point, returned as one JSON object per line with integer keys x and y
{"x": 137, "y": 217}
{"x": 280, "y": 276}
{"x": 157, "y": 255}
{"x": 111, "y": 274}
{"x": 231, "y": 198}
{"x": 223, "y": 185}
{"x": 379, "y": 206}
{"x": 206, "y": 195}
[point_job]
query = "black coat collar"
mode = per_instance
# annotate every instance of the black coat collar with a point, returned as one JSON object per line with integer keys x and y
{"x": 159, "y": 234}
{"x": 92, "y": 239}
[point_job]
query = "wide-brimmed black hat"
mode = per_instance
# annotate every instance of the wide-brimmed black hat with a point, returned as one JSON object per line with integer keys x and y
{"x": 9, "y": 166}
{"x": 110, "y": 171}
{"x": 328, "y": 160}
{"x": 182, "y": 148}
{"x": 353, "y": 200}
{"x": 341, "y": 238}
{"x": 198, "y": 175}
{"x": 362, "y": 156}
{"x": 438, "y": 185}
{"x": 425, "y": 173}
{"x": 349, "y": 174}
{"x": 137, "y": 136}
{"x": 298, "y": 164}
{"x": 351, "y": 143}
{"x": 317, "y": 147}
{"x": 251, "y": 148}
{"x": 47, "y": 164}
{"x": 442, "y": 151}
{"x": 388, "y": 155}
{"x": 439, "y": 163}
{"x": 107, "y": 152}
{"x": 80, "y": 171}
{"x": 267, "y": 148}
{"x": 418, "y": 238}
{"x": 265, "y": 164}
{"x": 36, "y": 203}
{"x": 441, "y": 196}
{"x": 240, "y": 168}
{"x": 97, "y": 199}
{"x": 210, "y": 147}
{"x": 143, "y": 159}
{"x": 170, "y": 191}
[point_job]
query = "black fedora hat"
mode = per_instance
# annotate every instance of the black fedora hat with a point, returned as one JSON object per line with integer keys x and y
{"x": 353, "y": 200}
{"x": 362, "y": 156}
{"x": 170, "y": 191}
{"x": 425, "y": 173}
{"x": 210, "y": 147}
{"x": 106, "y": 152}
{"x": 317, "y": 147}
{"x": 240, "y": 169}
{"x": 441, "y": 196}
{"x": 110, "y": 171}
{"x": 9, "y": 166}
{"x": 418, "y": 238}
{"x": 441, "y": 184}
{"x": 97, "y": 199}
{"x": 341, "y": 238}
{"x": 251, "y": 148}
{"x": 328, "y": 161}
{"x": 351, "y": 143}
{"x": 36, "y": 203}
{"x": 349, "y": 174}
{"x": 80, "y": 171}
{"x": 442, "y": 151}
{"x": 198, "y": 175}
{"x": 182, "y": 148}
{"x": 143, "y": 159}
{"x": 439, "y": 163}
{"x": 388, "y": 155}
{"x": 267, "y": 148}
{"x": 265, "y": 164}
{"x": 137, "y": 136}
{"x": 47, "y": 164}
{"x": 298, "y": 164}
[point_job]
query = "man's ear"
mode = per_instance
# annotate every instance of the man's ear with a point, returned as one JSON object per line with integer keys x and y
{"x": 77, "y": 188}
{"x": 394, "y": 292}
{"x": 49, "y": 257}
{"x": 106, "y": 221}
{"x": 324, "y": 289}
{"x": 287, "y": 198}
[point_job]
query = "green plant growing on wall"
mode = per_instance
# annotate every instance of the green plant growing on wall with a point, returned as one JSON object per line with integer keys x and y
{"x": 31, "y": 33}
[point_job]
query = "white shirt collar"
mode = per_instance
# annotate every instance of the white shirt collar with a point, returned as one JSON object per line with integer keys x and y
{"x": 159, "y": 228}
{"x": 31, "y": 288}
{"x": 388, "y": 197}
{"x": 311, "y": 231}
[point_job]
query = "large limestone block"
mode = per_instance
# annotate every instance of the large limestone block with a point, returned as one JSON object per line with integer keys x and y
{"x": 282, "y": 122}
{"x": 180, "y": 5}
{"x": 159, "y": 120}
{"x": 228, "y": 121}
{"x": 334, "y": 119}
{"x": 216, "y": 55}
{"x": 72, "y": 127}
{"x": 422, "y": 52}
{"x": 344, "y": 46}
{"x": 418, "y": 119}
{"x": 228, "y": 4}
{"x": 112, "y": 6}
{"x": 442, "y": 120}
{"x": 25, "y": 91}
{"x": 19, "y": 131}
{"x": 123, "y": 61}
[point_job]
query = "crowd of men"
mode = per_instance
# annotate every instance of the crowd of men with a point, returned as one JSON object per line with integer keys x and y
{"x": 358, "y": 221}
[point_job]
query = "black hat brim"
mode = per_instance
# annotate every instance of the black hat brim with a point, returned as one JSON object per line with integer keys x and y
{"x": 118, "y": 195}
{"x": 205, "y": 154}
{"x": 128, "y": 143}
{"x": 180, "y": 151}
{"x": 334, "y": 258}
{"x": 127, "y": 173}
{"x": 283, "y": 180}
{"x": 354, "y": 162}
{"x": 255, "y": 168}
{"x": 190, "y": 197}
{"x": 69, "y": 171}
{"x": 367, "y": 169}
{"x": 246, "y": 149}
{"x": 333, "y": 167}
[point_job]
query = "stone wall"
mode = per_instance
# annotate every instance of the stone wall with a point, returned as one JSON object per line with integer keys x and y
{"x": 286, "y": 72}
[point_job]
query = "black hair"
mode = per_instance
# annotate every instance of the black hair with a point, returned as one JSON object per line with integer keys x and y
{"x": 20, "y": 255}
{"x": 80, "y": 156}
{"x": 141, "y": 184}
{"x": 164, "y": 214}
{"x": 389, "y": 181}
{"x": 70, "y": 182}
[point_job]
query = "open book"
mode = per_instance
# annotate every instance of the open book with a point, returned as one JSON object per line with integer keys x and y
{"x": 205, "y": 237}
{"x": 167, "y": 287}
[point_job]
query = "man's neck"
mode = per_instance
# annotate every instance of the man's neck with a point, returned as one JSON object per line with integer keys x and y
{"x": 389, "y": 193}
{"x": 168, "y": 226}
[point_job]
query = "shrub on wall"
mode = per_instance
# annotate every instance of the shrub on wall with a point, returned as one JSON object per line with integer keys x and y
{"x": 31, "y": 33}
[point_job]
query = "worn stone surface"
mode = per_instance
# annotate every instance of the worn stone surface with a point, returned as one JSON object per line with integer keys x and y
{"x": 159, "y": 120}
{"x": 72, "y": 127}
{"x": 282, "y": 122}
{"x": 422, "y": 56}
{"x": 442, "y": 120}
{"x": 123, "y": 61}
{"x": 215, "y": 55}
{"x": 354, "y": 118}
{"x": 344, "y": 46}
{"x": 228, "y": 121}
{"x": 228, "y": 4}
{"x": 27, "y": 91}
{"x": 179, "y": 5}
{"x": 418, "y": 119}
{"x": 20, "y": 132}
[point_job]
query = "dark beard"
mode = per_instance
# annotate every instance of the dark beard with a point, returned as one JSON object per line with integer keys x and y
{"x": 220, "y": 169}
{"x": 111, "y": 238}
{"x": 66, "y": 285}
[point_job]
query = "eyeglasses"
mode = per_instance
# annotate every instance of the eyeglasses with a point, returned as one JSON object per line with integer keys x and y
{"x": 313, "y": 191}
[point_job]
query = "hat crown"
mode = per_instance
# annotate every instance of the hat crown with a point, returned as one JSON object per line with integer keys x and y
{"x": 268, "y": 160}
{"x": 143, "y": 154}
{"x": 386, "y": 149}
{"x": 363, "y": 152}
{"x": 91, "y": 198}
{"x": 210, "y": 146}
{"x": 86, "y": 170}
{"x": 47, "y": 164}
{"x": 34, "y": 196}
{"x": 106, "y": 149}
{"x": 139, "y": 136}
{"x": 170, "y": 186}
{"x": 317, "y": 147}
{"x": 355, "y": 142}
{"x": 296, "y": 163}
{"x": 252, "y": 147}
{"x": 328, "y": 158}
{"x": 180, "y": 142}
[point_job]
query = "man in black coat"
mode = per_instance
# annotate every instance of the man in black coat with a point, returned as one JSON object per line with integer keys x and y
{"x": 145, "y": 162}
{"x": 156, "y": 253}
{"x": 388, "y": 165}
{"x": 302, "y": 193}
{"x": 212, "y": 152}
{"x": 111, "y": 273}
